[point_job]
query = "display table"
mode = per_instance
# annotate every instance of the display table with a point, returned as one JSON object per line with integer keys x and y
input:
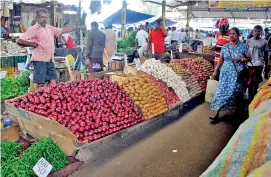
{"x": 10, "y": 63}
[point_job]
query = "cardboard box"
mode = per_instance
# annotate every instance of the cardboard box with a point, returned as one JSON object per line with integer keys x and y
{"x": 10, "y": 133}
{"x": 130, "y": 70}
{"x": 75, "y": 75}
{"x": 116, "y": 65}
{"x": 40, "y": 127}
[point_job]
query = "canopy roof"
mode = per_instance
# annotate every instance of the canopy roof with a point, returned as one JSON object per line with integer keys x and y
{"x": 199, "y": 9}
{"x": 131, "y": 17}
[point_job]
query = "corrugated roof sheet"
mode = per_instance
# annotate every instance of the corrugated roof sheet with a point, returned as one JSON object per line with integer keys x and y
{"x": 220, "y": 14}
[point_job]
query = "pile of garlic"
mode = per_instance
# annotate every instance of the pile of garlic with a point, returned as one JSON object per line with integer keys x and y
{"x": 167, "y": 75}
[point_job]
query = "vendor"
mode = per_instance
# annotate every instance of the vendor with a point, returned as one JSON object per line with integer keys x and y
{"x": 157, "y": 38}
{"x": 42, "y": 38}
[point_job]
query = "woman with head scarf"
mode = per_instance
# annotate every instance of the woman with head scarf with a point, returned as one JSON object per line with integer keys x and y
{"x": 232, "y": 61}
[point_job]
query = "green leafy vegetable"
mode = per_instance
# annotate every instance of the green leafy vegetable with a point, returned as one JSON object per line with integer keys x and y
{"x": 12, "y": 87}
{"x": 22, "y": 166}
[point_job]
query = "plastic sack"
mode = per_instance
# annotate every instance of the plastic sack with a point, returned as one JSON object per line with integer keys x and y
{"x": 70, "y": 43}
{"x": 211, "y": 89}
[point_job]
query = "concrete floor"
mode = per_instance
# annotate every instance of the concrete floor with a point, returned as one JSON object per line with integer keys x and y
{"x": 172, "y": 146}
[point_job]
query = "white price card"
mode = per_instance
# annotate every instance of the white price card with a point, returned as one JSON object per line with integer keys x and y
{"x": 42, "y": 168}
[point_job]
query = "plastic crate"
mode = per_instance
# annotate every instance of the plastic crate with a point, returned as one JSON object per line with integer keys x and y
{"x": 19, "y": 59}
{"x": 10, "y": 71}
{"x": 7, "y": 62}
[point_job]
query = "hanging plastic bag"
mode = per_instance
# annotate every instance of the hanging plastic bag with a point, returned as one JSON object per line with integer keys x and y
{"x": 70, "y": 43}
{"x": 211, "y": 89}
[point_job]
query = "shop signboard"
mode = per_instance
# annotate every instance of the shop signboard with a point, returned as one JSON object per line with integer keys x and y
{"x": 252, "y": 5}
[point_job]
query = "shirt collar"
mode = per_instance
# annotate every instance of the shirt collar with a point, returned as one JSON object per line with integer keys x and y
{"x": 41, "y": 26}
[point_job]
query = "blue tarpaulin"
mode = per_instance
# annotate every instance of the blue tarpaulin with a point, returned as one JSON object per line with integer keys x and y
{"x": 152, "y": 21}
{"x": 167, "y": 22}
{"x": 131, "y": 17}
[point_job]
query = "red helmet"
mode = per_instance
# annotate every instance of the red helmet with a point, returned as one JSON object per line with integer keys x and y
{"x": 222, "y": 24}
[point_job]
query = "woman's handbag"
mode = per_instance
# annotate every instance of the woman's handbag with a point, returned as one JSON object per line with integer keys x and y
{"x": 246, "y": 76}
{"x": 211, "y": 89}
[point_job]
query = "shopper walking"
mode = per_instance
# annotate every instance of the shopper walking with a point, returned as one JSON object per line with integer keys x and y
{"x": 174, "y": 35}
{"x": 182, "y": 35}
{"x": 42, "y": 39}
{"x": 168, "y": 38}
{"x": 111, "y": 41}
{"x": 222, "y": 37}
{"x": 267, "y": 35}
{"x": 157, "y": 38}
{"x": 95, "y": 48}
{"x": 197, "y": 34}
{"x": 147, "y": 28}
{"x": 233, "y": 57}
{"x": 142, "y": 41}
{"x": 258, "y": 48}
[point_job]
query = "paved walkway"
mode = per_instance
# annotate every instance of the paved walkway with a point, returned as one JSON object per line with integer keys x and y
{"x": 170, "y": 147}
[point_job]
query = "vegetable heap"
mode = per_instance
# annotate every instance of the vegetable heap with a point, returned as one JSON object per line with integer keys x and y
{"x": 9, "y": 155}
{"x": 127, "y": 44}
{"x": 146, "y": 95}
{"x": 166, "y": 74}
{"x": 21, "y": 166}
{"x": 12, "y": 87}
{"x": 191, "y": 83}
{"x": 171, "y": 97}
{"x": 201, "y": 69}
{"x": 90, "y": 109}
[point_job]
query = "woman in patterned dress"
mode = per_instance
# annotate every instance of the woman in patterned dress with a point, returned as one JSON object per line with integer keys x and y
{"x": 232, "y": 54}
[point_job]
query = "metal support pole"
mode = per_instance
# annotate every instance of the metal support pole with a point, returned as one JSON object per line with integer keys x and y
{"x": 188, "y": 15}
{"x": 54, "y": 3}
{"x": 164, "y": 12}
{"x": 81, "y": 32}
{"x": 123, "y": 19}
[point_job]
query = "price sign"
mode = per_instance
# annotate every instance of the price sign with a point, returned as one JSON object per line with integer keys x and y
{"x": 42, "y": 168}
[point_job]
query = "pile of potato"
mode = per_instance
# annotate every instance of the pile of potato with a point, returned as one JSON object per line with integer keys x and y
{"x": 146, "y": 95}
{"x": 208, "y": 51}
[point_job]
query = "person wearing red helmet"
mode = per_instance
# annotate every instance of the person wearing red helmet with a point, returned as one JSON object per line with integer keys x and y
{"x": 222, "y": 37}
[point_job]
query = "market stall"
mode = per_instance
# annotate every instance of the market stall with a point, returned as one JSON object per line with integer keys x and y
{"x": 80, "y": 112}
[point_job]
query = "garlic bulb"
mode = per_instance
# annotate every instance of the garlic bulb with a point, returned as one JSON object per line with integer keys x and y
{"x": 167, "y": 75}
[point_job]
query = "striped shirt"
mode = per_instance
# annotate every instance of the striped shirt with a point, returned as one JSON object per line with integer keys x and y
{"x": 221, "y": 41}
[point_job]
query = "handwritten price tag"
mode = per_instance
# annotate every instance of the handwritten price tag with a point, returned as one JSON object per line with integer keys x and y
{"x": 42, "y": 168}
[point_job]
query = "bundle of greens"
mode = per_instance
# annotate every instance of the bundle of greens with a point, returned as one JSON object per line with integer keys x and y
{"x": 9, "y": 155}
{"x": 12, "y": 87}
{"x": 22, "y": 166}
{"x": 127, "y": 42}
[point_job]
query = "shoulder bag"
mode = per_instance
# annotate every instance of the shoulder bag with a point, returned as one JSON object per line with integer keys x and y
{"x": 246, "y": 76}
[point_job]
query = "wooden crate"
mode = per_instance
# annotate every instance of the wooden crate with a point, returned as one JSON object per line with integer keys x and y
{"x": 10, "y": 133}
{"x": 116, "y": 65}
{"x": 40, "y": 127}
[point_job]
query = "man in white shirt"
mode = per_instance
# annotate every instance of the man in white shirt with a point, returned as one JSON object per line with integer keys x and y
{"x": 182, "y": 35}
{"x": 174, "y": 35}
{"x": 168, "y": 38}
{"x": 142, "y": 41}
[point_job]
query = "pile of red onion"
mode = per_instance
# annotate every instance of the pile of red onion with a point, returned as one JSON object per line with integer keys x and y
{"x": 198, "y": 70}
{"x": 90, "y": 109}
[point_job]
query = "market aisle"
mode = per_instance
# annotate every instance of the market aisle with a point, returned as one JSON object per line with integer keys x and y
{"x": 196, "y": 140}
